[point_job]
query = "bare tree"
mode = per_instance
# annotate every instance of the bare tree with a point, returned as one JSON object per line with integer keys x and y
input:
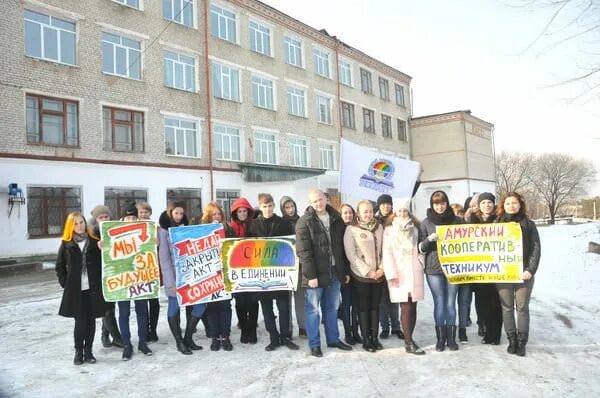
{"x": 558, "y": 177}
{"x": 512, "y": 169}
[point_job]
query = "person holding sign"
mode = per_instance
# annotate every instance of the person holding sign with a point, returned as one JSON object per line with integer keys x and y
{"x": 269, "y": 224}
{"x": 512, "y": 209}
{"x": 486, "y": 294}
{"x": 175, "y": 216}
{"x": 403, "y": 270}
{"x": 218, "y": 313}
{"x": 79, "y": 272}
{"x": 363, "y": 242}
{"x": 444, "y": 293}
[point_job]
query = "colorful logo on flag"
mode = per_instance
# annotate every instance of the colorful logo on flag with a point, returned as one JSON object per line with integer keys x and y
{"x": 379, "y": 176}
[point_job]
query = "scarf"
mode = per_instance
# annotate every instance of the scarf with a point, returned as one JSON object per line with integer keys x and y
{"x": 511, "y": 217}
{"x": 446, "y": 218}
{"x": 406, "y": 234}
{"x": 370, "y": 226}
{"x": 77, "y": 238}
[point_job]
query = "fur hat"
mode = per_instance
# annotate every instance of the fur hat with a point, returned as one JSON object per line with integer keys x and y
{"x": 402, "y": 203}
{"x": 486, "y": 196}
{"x": 100, "y": 210}
{"x": 385, "y": 198}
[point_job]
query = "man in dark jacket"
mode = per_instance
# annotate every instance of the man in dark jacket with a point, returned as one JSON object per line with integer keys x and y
{"x": 269, "y": 224}
{"x": 320, "y": 249}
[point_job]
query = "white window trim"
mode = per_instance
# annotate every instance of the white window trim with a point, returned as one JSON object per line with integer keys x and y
{"x": 240, "y": 72}
{"x": 62, "y": 14}
{"x": 305, "y": 99}
{"x": 196, "y": 66}
{"x": 268, "y": 77}
{"x": 240, "y": 127}
{"x": 38, "y": 6}
{"x": 328, "y": 52}
{"x": 335, "y": 145}
{"x": 198, "y": 138}
{"x": 142, "y": 50}
{"x": 405, "y": 88}
{"x": 302, "y": 49}
{"x": 194, "y": 16}
{"x": 349, "y": 101}
{"x": 330, "y": 110}
{"x": 305, "y": 138}
{"x": 352, "y": 77}
{"x": 225, "y": 62}
{"x": 141, "y": 7}
{"x": 271, "y": 34}
{"x": 295, "y": 83}
{"x": 323, "y": 93}
{"x": 391, "y": 118}
{"x": 179, "y": 49}
{"x": 234, "y": 11}
{"x": 257, "y": 129}
{"x": 123, "y": 32}
{"x": 53, "y": 94}
{"x": 262, "y": 74}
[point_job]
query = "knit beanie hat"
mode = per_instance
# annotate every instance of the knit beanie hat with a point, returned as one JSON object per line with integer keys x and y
{"x": 486, "y": 196}
{"x": 131, "y": 210}
{"x": 100, "y": 210}
{"x": 402, "y": 203}
{"x": 385, "y": 198}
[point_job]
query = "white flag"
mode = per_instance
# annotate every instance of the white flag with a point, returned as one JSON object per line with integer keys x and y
{"x": 367, "y": 174}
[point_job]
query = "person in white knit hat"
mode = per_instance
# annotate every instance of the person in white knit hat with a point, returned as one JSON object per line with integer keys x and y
{"x": 403, "y": 270}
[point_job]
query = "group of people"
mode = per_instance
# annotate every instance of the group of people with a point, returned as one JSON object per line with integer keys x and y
{"x": 366, "y": 266}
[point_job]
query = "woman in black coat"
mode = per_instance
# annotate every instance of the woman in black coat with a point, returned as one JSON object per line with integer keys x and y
{"x": 79, "y": 272}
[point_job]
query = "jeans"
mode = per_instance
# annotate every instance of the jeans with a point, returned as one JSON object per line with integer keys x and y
{"x": 282, "y": 299}
{"x": 511, "y": 295}
{"x": 465, "y": 293}
{"x": 389, "y": 313}
{"x": 173, "y": 308}
{"x": 329, "y": 299}
{"x": 219, "y": 318}
{"x": 444, "y": 300}
{"x": 141, "y": 312}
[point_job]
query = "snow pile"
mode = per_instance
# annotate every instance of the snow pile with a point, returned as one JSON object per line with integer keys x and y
{"x": 563, "y": 356}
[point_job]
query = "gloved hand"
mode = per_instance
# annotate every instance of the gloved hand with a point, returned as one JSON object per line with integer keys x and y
{"x": 433, "y": 237}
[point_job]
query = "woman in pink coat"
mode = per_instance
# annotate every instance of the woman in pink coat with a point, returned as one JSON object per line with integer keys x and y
{"x": 403, "y": 270}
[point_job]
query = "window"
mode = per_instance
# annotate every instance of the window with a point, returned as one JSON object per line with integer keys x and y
{"x": 130, "y": 3}
{"x": 399, "y": 95}
{"x": 50, "y": 38}
{"x": 180, "y": 11}
{"x": 327, "y": 153}
{"x": 298, "y": 152}
{"x": 366, "y": 84}
{"x": 265, "y": 148}
{"x": 262, "y": 92}
{"x": 123, "y": 129}
{"x": 181, "y": 137}
{"x": 48, "y": 207}
{"x": 384, "y": 89}
{"x": 227, "y": 143}
{"x": 293, "y": 51}
{"x": 222, "y": 24}
{"x": 260, "y": 38}
{"x": 121, "y": 56}
{"x": 348, "y": 115}
{"x": 296, "y": 101}
{"x": 118, "y": 199}
{"x": 192, "y": 199}
{"x": 321, "y": 62}
{"x": 180, "y": 71}
{"x": 324, "y": 109}
{"x": 52, "y": 121}
{"x": 368, "y": 121}
{"x": 402, "y": 131}
{"x": 386, "y": 126}
{"x": 226, "y": 82}
{"x": 225, "y": 199}
{"x": 345, "y": 73}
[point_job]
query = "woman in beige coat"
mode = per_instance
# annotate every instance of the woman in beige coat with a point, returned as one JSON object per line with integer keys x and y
{"x": 403, "y": 270}
{"x": 363, "y": 243}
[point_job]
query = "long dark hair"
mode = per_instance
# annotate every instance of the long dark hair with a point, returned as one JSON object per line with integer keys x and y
{"x": 522, "y": 209}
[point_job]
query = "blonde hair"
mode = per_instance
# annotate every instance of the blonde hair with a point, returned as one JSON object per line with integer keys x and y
{"x": 207, "y": 217}
{"x": 69, "y": 227}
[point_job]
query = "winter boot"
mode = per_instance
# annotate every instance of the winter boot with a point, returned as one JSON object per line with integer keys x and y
{"x": 127, "y": 352}
{"x": 451, "y": 338}
{"x": 104, "y": 337}
{"x": 113, "y": 329}
{"x": 522, "y": 339}
{"x": 363, "y": 318}
{"x": 176, "y": 331}
{"x": 462, "y": 335}
{"x": 440, "y": 333}
{"x": 152, "y": 323}
{"x": 349, "y": 337}
{"x": 243, "y": 324}
{"x": 226, "y": 344}
{"x": 374, "y": 330}
{"x": 78, "y": 360}
{"x": 189, "y": 331}
{"x": 215, "y": 345}
{"x": 512, "y": 343}
{"x": 355, "y": 333}
{"x": 481, "y": 329}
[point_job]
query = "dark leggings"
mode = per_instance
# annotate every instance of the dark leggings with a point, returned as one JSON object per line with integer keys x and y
{"x": 408, "y": 317}
{"x": 367, "y": 296}
{"x": 85, "y": 323}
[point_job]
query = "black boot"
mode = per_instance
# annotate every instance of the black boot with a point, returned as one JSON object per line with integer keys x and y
{"x": 355, "y": 333}
{"x": 451, "y": 338}
{"x": 522, "y": 338}
{"x": 78, "y": 360}
{"x": 375, "y": 330}
{"x": 215, "y": 345}
{"x": 226, "y": 344}
{"x": 189, "y": 331}
{"x": 363, "y": 319}
{"x": 462, "y": 335}
{"x": 104, "y": 337}
{"x": 481, "y": 329}
{"x": 176, "y": 331}
{"x": 243, "y": 324}
{"x": 440, "y": 333}
{"x": 513, "y": 344}
{"x": 113, "y": 329}
{"x": 152, "y": 323}
{"x": 349, "y": 337}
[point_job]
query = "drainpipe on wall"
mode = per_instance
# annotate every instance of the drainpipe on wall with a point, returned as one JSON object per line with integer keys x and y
{"x": 208, "y": 104}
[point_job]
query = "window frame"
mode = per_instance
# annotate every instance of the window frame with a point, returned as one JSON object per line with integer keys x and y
{"x": 400, "y": 100}
{"x": 257, "y": 146}
{"x": 187, "y": 196}
{"x": 40, "y": 100}
{"x": 384, "y": 88}
{"x": 349, "y": 83}
{"x": 299, "y": 99}
{"x": 366, "y": 74}
{"x": 229, "y": 76}
{"x": 225, "y": 198}
{"x": 221, "y": 16}
{"x": 324, "y": 151}
{"x": 402, "y": 133}
{"x": 64, "y": 210}
{"x": 222, "y": 135}
{"x": 371, "y": 113}
{"x": 173, "y": 62}
{"x": 183, "y": 4}
{"x": 185, "y": 130}
{"x": 300, "y": 48}
{"x": 114, "y": 55}
{"x": 122, "y": 198}
{"x": 59, "y": 31}
{"x": 294, "y": 142}
{"x": 258, "y": 87}
{"x": 253, "y": 33}
{"x": 125, "y": 4}
{"x": 318, "y": 53}
{"x": 329, "y": 118}
{"x": 386, "y": 121}
{"x": 351, "y": 115}
{"x": 131, "y": 123}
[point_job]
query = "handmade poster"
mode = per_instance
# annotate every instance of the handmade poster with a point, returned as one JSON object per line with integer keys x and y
{"x": 481, "y": 253}
{"x": 198, "y": 271}
{"x": 130, "y": 268}
{"x": 260, "y": 264}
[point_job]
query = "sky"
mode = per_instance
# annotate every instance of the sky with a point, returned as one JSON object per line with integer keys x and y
{"x": 477, "y": 55}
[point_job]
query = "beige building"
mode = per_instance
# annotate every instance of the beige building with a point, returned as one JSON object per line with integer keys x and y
{"x": 456, "y": 152}
{"x": 107, "y": 101}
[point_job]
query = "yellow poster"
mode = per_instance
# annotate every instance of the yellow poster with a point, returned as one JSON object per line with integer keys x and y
{"x": 481, "y": 253}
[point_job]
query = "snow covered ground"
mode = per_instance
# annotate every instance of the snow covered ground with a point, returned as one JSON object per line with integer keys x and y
{"x": 563, "y": 353}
